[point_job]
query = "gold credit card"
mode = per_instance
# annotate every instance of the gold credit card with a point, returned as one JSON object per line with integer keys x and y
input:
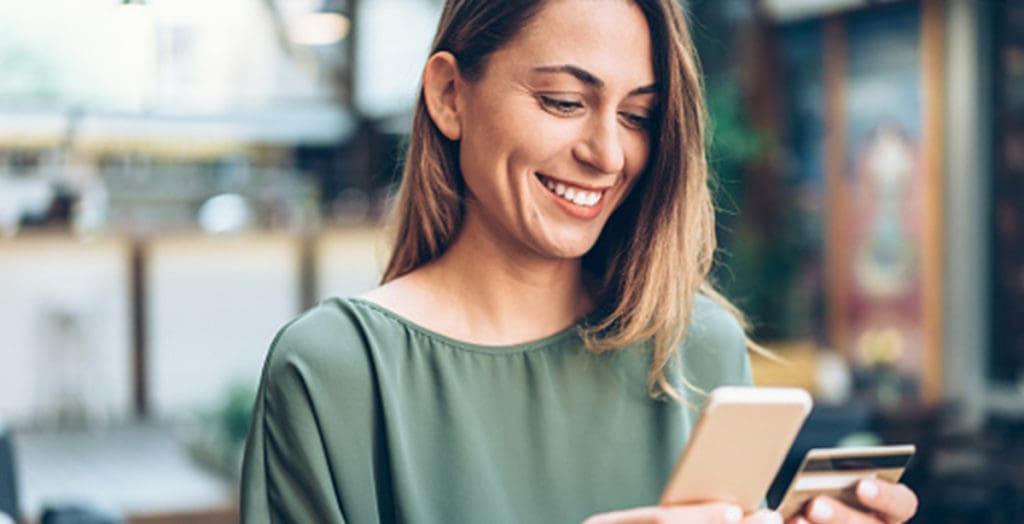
{"x": 835, "y": 472}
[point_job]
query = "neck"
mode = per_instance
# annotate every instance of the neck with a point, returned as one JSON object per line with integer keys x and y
{"x": 500, "y": 295}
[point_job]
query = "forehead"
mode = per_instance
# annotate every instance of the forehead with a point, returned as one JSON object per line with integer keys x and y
{"x": 608, "y": 38}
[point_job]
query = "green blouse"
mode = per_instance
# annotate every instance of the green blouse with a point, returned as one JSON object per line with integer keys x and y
{"x": 364, "y": 416}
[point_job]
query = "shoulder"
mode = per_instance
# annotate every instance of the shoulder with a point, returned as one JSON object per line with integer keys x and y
{"x": 715, "y": 349}
{"x": 326, "y": 344}
{"x": 713, "y": 325}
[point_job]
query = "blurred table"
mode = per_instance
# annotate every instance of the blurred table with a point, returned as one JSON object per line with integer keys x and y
{"x": 140, "y": 471}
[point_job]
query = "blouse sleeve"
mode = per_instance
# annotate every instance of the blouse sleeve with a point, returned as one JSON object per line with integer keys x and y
{"x": 716, "y": 348}
{"x": 286, "y": 473}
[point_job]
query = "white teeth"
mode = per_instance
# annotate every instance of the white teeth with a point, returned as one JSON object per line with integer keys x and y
{"x": 579, "y": 197}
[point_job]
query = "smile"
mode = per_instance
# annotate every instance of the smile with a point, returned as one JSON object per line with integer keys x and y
{"x": 570, "y": 193}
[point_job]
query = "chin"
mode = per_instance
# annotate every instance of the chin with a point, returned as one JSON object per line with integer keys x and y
{"x": 574, "y": 247}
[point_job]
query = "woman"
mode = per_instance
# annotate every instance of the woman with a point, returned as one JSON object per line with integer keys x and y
{"x": 554, "y": 236}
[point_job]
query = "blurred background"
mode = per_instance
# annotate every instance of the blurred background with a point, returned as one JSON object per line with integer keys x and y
{"x": 178, "y": 178}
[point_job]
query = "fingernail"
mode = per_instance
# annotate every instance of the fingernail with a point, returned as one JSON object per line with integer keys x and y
{"x": 867, "y": 489}
{"x": 821, "y": 511}
{"x": 733, "y": 514}
{"x": 770, "y": 517}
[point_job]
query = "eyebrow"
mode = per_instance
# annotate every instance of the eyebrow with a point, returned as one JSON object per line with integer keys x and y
{"x": 588, "y": 78}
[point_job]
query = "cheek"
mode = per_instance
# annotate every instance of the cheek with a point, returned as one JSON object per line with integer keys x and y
{"x": 638, "y": 154}
{"x": 496, "y": 133}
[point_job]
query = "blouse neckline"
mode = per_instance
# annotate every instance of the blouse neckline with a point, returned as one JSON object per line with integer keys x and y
{"x": 532, "y": 345}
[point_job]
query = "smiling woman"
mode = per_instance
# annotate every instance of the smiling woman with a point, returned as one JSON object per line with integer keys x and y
{"x": 544, "y": 326}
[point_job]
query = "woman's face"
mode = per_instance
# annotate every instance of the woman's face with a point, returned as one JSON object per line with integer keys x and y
{"x": 555, "y": 131}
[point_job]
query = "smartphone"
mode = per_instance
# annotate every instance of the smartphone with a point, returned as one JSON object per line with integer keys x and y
{"x": 737, "y": 446}
{"x": 836, "y": 471}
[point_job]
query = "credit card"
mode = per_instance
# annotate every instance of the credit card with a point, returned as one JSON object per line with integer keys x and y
{"x": 835, "y": 472}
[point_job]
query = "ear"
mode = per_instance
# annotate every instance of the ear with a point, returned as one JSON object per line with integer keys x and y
{"x": 441, "y": 82}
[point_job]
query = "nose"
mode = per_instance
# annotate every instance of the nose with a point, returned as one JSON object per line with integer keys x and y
{"x": 601, "y": 146}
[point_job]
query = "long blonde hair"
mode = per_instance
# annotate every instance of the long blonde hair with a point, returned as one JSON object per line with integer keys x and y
{"x": 656, "y": 250}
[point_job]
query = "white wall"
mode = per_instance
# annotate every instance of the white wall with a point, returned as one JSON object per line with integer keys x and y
{"x": 65, "y": 329}
{"x": 213, "y": 305}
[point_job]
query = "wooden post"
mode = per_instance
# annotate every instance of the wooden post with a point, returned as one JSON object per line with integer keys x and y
{"x": 836, "y": 244}
{"x": 933, "y": 94}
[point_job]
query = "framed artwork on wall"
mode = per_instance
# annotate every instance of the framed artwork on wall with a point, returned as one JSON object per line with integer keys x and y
{"x": 883, "y": 156}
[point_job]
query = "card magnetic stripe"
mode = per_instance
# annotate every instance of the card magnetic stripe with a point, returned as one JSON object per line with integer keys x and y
{"x": 857, "y": 463}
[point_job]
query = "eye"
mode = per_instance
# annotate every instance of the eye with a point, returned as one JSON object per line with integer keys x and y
{"x": 560, "y": 105}
{"x": 636, "y": 120}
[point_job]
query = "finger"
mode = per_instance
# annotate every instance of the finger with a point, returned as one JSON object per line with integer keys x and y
{"x": 765, "y": 516}
{"x": 827, "y": 510}
{"x": 710, "y": 513}
{"x": 895, "y": 502}
{"x": 799, "y": 519}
